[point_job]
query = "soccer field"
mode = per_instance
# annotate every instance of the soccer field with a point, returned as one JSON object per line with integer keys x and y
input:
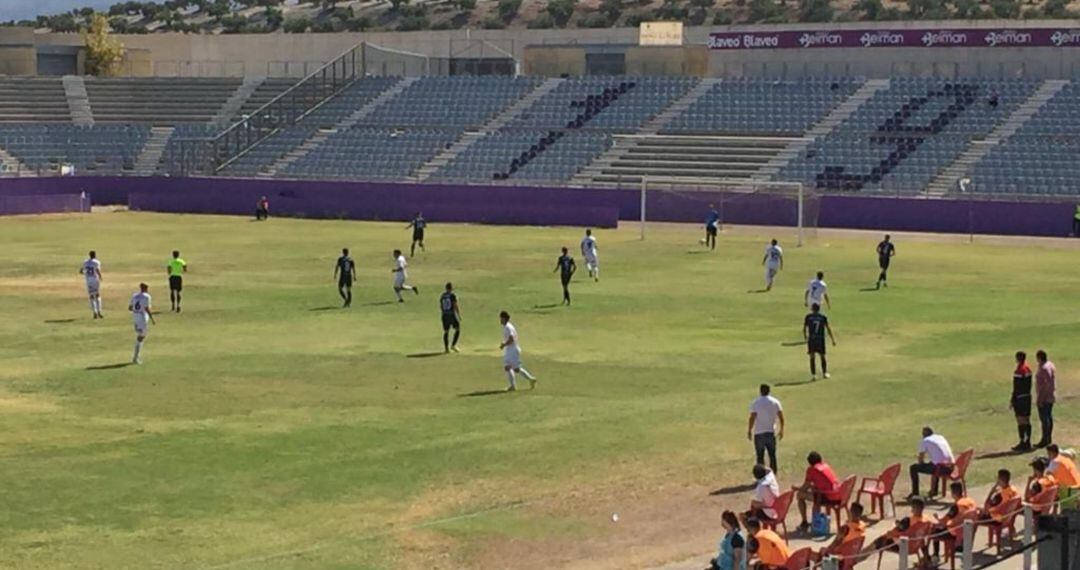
{"x": 267, "y": 428}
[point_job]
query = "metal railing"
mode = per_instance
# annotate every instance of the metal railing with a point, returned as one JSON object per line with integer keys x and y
{"x": 210, "y": 155}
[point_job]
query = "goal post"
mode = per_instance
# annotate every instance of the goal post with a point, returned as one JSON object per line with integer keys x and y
{"x": 733, "y": 190}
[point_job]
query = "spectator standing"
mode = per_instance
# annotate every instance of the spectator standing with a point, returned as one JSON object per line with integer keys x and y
{"x": 1020, "y": 401}
{"x": 262, "y": 209}
{"x": 765, "y": 413}
{"x": 935, "y": 459}
{"x": 1045, "y": 384}
{"x": 765, "y": 493}
{"x": 820, "y": 486}
{"x": 732, "y": 555}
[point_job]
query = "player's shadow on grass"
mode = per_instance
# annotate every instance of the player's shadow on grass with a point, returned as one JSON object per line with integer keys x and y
{"x": 698, "y": 252}
{"x": 483, "y": 393}
{"x": 1000, "y": 454}
{"x": 732, "y": 490}
{"x": 377, "y": 304}
{"x": 424, "y": 354}
{"x": 326, "y": 308}
{"x": 793, "y": 343}
{"x": 541, "y": 309}
{"x": 110, "y": 366}
{"x": 791, "y": 384}
{"x": 868, "y": 289}
{"x": 758, "y": 291}
{"x": 58, "y": 321}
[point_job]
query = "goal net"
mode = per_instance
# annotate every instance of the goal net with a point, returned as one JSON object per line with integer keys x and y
{"x": 744, "y": 202}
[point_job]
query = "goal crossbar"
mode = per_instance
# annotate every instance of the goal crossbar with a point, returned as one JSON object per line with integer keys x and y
{"x": 733, "y": 185}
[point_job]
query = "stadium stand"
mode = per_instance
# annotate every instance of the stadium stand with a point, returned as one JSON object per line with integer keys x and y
{"x": 100, "y": 149}
{"x": 158, "y": 101}
{"x": 38, "y": 100}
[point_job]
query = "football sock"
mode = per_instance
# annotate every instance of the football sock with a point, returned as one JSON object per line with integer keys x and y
{"x": 525, "y": 373}
{"x": 1020, "y": 432}
{"x": 813, "y": 366}
{"x": 824, "y": 365}
{"x": 138, "y": 349}
{"x": 457, "y": 335}
{"x": 446, "y": 340}
{"x": 93, "y": 305}
{"x": 397, "y": 292}
{"x": 510, "y": 378}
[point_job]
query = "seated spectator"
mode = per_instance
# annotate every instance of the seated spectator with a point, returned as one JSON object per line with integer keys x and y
{"x": 1064, "y": 471}
{"x": 1039, "y": 480}
{"x": 908, "y": 527}
{"x": 935, "y": 459}
{"x": 854, "y": 529}
{"x": 765, "y": 494}
{"x": 732, "y": 555}
{"x": 820, "y": 487}
{"x": 767, "y": 550}
{"x": 1001, "y": 493}
{"x": 962, "y": 504}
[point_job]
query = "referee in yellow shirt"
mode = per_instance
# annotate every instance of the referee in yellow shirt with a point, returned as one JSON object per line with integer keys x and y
{"x": 177, "y": 268}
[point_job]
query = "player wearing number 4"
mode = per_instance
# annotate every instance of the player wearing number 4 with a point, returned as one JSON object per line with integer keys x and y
{"x": 815, "y": 325}
{"x": 140, "y": 315}
{"x": 773, "y": 262}
{"x": 91, "y": 270}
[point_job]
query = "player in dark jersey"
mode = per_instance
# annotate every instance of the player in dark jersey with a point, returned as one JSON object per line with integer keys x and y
{"x": 815, "y": 325}
{"x": 345, "y": 271}
{"x": 712, "y": 226}
{"x": 451, "y": 318}
{"x": 417, "y": 224}
{"x": 885, "y": 251}
{"x": 566, "y": 266}
{"x": 1020, "y": 402}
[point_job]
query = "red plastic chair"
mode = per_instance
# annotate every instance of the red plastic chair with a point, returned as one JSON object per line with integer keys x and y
{"x": 799, "y": 560}
{"x": 996, "y": 529}
{"x": 782, "y": 505}
{"x": 953, "y": 542}
{"x": 959, "y": 472}
{"x": 916, "y": 542}
{"x": 848, "y": 553}
{"x": 1045, "y": 501}
{"x": 847, "y": 487}
{"x": 880, "y": 488}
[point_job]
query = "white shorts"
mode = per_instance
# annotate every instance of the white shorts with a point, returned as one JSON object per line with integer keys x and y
{"x": 399, "y": 279}
{"x": 142, "y": 327}
{"x": 770, "y": 272}
{"x": 512, "y": 358}
{"x": 592, "y": 260}
{"x": 93, "y": 286}
{"x": 818, "y": 302}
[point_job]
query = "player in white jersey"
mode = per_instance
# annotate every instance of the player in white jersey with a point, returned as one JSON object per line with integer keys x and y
{"x": 817, "y": 291}
{"x": 91, "y": 270}
{"x": 400, "y": 276}
{"x": 588, "y": 251}
{"x": 773, "y": 262}
{"x": 511, "y": 348}
{"x": 142, "y": 316}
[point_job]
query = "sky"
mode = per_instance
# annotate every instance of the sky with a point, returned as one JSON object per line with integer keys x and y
{"x": 30, "y": 9}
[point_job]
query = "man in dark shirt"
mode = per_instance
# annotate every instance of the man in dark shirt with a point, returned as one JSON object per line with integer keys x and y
{"x": 262, "y": 209}
{"x": 566, "y": 267}
{"x": 451, "y": 318}
{"x": 712, "y": 227}
{"x": 417, "y": 224}
{"x": 885, "y": 251}
{"x": 345, "y": 271}
{"x": 1020, "y": 401}
{"x": 815, "y": 325}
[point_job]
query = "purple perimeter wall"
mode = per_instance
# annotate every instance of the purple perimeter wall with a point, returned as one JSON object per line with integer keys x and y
{"x": 547, "y": 206}
{"x": 43, "y": 204}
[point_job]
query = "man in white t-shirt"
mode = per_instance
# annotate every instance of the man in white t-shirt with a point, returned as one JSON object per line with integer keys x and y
{"x": 142, "y": 317}
{"x": 766, "y": 490}
{"x": 511, "y": 348}
{"x": 588, "y": 251}
{"x": 935, "y": 459}
{"x": 765, "y": 414}
{"x": 817, "y": 292}
{"x": 91, "y": 270}
{"x": 400, "y": 276}
{"x": 773, "y": 262}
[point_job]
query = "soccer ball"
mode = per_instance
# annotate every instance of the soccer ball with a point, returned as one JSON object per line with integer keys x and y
{"x": 701, "y": 241}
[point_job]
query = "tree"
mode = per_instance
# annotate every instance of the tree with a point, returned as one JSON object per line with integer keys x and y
{"x": 594, "y": 20}
{"x": 397, "y": 4}
{"x": 1057, "y": 9}
{"x": 492, "y": 23}
{"x": 466, "y": 5}
{"x": 815, "y": 11}
{"x": 1006, "y": 9}
{"x": 722, "y": 18}
{"x": 871, "y": 9}
{"x": 762, "y": 10}
{"x": 703, "y": 3}
{"x": 63, "y": 23}
{"x": 297, "y": 25}
{"x": 274, "y": 17}
{"x": 104, "y": 53}
{"x": 218, "y": 9}
{"x": 542, "y": 22}
{"x": 561, "y": 11}
{"x": 359, "y": 24}
{"x": 611, "y": 8}
{"x": 966, "y": 9}
{"x": 233, "y": 24}
{"x": 508, "y": 9}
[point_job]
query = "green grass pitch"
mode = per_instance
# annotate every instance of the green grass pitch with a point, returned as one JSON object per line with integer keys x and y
{"x": 269, "y": 429}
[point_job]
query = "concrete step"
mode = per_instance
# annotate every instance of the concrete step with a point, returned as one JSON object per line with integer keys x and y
{"x": 150, "y": 156}
{"x": 78, "y": 101}
{"x": 235, "y": 102}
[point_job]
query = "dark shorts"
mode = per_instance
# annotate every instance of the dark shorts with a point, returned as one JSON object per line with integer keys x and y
{"x": 565, "y": 280}
{"x": 815, "y": 345}
{"x": 344, "y": 283}
{"x": 1022, "y": 405}
{"x": 450, "y": 321}
{"x": 418, "y": 235}
{"x": 176, "y": 283}
{"x": 710, "y": 230}
{"x": 883, "y": 262}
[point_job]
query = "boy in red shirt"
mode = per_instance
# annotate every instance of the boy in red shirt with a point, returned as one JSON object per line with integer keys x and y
{"x": 820, "y": 486}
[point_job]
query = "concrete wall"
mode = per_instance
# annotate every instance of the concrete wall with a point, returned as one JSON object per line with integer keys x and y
{"x": 670, "y": 61}
{"x": 554, "y": 61}
{"x": 18, "y": 54}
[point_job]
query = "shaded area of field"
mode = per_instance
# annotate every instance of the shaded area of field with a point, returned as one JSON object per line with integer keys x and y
{"x": 269, "y": 429}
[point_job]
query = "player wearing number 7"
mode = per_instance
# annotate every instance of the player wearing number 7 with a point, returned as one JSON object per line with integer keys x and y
{"x": 815, "y": 325}
{"x": 140, "y": 314}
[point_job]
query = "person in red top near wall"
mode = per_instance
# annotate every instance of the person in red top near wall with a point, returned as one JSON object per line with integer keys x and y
{"x": 820, "y": 486}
